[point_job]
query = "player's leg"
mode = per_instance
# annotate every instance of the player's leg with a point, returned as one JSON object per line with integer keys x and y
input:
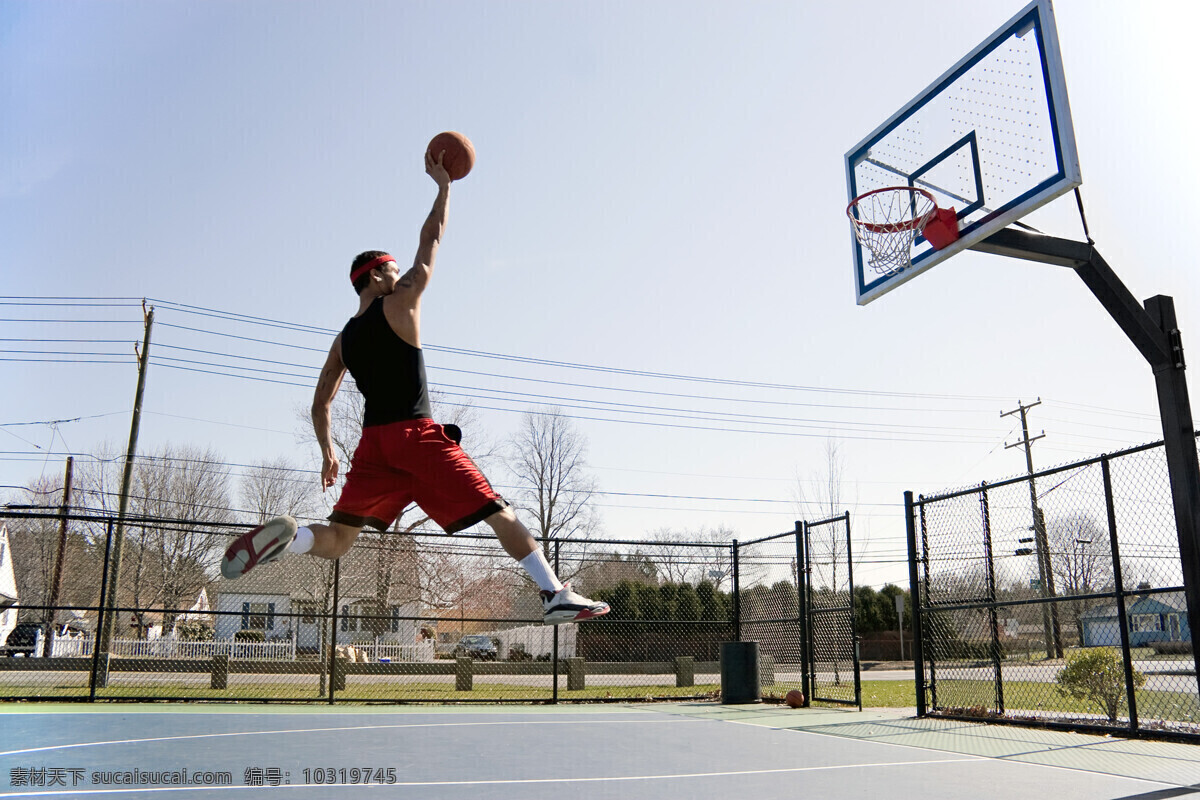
{"x": 271, "y": 540}
{"x": 456, "y": 494}
{"x": 559, "y": 603}
{"x": 330, "y": 541}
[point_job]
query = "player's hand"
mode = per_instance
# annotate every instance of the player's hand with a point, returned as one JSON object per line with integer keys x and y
{"x": 329, "y": 471}
{"x": 435, "y": 170}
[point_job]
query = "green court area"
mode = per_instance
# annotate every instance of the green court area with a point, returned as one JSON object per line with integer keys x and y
{"x": 369, "y": 692}
{"x": 1038, "y": 698}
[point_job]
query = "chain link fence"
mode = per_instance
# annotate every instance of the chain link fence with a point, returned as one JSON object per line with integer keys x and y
{"x": 1057, "y": 599}
{"x": 416, "y": 617}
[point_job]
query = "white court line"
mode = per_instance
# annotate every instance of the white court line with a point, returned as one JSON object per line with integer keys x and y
{"x": 342, "y": 787}
{"x": 925, "y": 748}
{"x": 73, "y": 745}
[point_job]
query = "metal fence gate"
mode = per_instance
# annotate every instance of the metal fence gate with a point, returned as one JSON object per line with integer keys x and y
{"x": 832, "y": 667}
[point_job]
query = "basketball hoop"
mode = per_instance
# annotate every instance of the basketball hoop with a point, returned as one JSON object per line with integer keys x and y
{"x": 886, "y": 222}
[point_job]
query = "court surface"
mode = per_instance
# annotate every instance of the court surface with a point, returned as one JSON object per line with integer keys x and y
{"x": 632, "y": 752}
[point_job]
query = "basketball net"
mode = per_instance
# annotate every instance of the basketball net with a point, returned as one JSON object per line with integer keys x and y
{"x": 886, "y": 223}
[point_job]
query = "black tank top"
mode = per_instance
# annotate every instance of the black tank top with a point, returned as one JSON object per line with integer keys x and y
{"x": 389, "y": 371}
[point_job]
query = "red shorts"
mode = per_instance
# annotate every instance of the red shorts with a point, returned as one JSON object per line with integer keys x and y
{"x": 413, "y": 461}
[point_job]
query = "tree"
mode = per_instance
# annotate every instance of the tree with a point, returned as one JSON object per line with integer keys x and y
{"x": 712, "y": 560}
{"x": 604, "y": 569}
{"x": 191, "y": 486}
{"x": 35, "y": 551}
{"x": 164, "y": 563}
{"x": 1096, "y": 675}
{"x": 824, "y": 496}
{"x": 277, "y": 486}
{"x": 1080, "y": 559}
{"x": 548, "y": 457}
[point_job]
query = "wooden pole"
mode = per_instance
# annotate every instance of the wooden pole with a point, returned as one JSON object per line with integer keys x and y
{"x": 105, "y": 639}
{"x": 56, "y": 584}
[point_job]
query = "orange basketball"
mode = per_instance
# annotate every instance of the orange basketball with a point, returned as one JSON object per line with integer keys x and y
{"x": 794, "y": 698}
{"x": 458, "y": 153}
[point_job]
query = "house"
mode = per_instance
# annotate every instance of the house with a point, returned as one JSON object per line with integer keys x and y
{"x": 378, "y": 597}
{"x": 1152, "y": 618}
{"x": 8, "y": 587}
{"x": 148, "y": 623}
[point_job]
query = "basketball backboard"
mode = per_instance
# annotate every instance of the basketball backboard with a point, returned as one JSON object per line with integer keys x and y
{"x": 992, "y": 138}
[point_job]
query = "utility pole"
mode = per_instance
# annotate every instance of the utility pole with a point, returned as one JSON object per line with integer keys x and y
{"x": 1052, "y": 631}
{"x": 56, "y": 584}
{"x": 104, "y": 642}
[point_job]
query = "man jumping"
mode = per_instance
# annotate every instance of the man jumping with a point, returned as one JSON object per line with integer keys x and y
{"x": 403, "y": 455}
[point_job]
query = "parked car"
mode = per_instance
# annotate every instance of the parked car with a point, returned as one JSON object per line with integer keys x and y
{"x": 476, "y": 646}
{"x": 22, "y": 639}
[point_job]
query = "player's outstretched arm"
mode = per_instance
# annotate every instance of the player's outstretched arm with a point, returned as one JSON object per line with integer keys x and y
{"x": 433, "y": 229}
{"x": 322, "y": 411}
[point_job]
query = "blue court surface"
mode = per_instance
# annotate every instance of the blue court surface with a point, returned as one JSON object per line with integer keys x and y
{"x": 631, "y": 752}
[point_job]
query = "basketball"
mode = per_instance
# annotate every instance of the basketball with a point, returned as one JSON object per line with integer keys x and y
{"x": 794, "y": 698}
{"x": 459, "y": 153}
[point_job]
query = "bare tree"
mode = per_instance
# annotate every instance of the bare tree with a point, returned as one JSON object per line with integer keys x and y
{"x": 277, "y": 486}
{"x": 825, "y": 495}
{"x": 190, "y": 486}
{"x": 1080, "y": 558}
{"x": 165, "y": 563}
{"x": 711, "y": 561}
{"x": 35, "y": 553}
{"x": 549, "y": 460}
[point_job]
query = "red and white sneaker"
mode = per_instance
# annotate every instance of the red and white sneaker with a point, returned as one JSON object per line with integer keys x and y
{"x": 264, "y": 544}
{"x": 567, "y": 606}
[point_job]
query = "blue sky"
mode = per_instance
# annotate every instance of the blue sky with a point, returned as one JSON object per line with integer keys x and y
{"x": 659, "y": 189}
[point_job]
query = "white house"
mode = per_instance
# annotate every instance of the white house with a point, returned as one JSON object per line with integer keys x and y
{"x": 8, "y": 587}
{"x": 293, "y": 599}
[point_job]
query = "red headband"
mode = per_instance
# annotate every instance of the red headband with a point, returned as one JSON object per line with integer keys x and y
{"x": 370, "y": 265}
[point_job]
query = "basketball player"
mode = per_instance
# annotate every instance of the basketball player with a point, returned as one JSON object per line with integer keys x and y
{"x": 403, "y": 456}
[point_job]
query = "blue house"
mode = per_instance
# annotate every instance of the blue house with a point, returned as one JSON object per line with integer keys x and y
{"x": 1152, "y": 618}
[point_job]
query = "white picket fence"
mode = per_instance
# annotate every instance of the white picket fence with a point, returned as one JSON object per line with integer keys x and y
{"x": 81, "y": 647}
{"x": 537, "y": 640}
{"x": 394, "y": 651}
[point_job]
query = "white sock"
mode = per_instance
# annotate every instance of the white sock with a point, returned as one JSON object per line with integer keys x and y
{"x": 303, "y": 541}
{"x": 539, "y": 569}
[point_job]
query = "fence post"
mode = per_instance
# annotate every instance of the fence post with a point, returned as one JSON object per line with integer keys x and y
{"x": 853, "y": 617}
{"x": 990, "y": 561}
{"x": 914, "y": 591}
{"x": 737, "y": 595}
{"x": 804, "y": 607}
{"x": 220, "y": 671}
{"x": 685, "y": 671}
{"x": 99, "y": 677}
{"x": 339, "y": 674}
{"x": 1119, "y": 588}
{"x": 464, "y": 677}
{"x": 333, "y": 625}
{"x": 576, "y": 675}
{"x": 766, "y": 671}
{"x": 554, "y": 641}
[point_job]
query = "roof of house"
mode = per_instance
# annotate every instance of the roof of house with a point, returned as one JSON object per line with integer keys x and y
{"x": 307, "y": 577}
{"x": 1142, "y": 604}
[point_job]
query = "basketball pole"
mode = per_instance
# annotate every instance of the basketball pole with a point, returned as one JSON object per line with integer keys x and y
{"x": 1154, "y": 331}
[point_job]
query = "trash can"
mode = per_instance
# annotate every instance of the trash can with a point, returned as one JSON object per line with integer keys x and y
{"x": 739, "y": 672}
